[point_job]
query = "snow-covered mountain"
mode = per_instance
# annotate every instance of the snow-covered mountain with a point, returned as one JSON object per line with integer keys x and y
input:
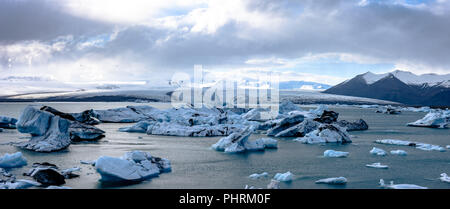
{"x": 409, "y": 78}
{"x": 398, "y": 86}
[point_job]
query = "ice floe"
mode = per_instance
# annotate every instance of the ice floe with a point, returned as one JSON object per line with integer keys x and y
{"x": 400, "y": 186}
{"x": 399, "y": 152}
{"x": 418, "y": 145}
{"x": 377, "y": 151}
{"x": 288, "y": 176}
{"x": 334, "y": 153}
{"x": 434, "y": 119}
{"x": 444, "y": 178}
{"x": 335, "y": 180}
{"x": 299, "y": 130}
{"x": 259, "y": 175}
{"x": 12, "y": 160}
{"x": 132, "y": 166}
{"x": 377, "y": 165}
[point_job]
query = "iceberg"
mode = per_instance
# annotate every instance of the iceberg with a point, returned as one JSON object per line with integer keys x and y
{"x": 377, "y": 151}
{"x": 239, "y": 142}
{"x": 444, "y": 178}
{"x": 319, "y": 110}
{"x": 139, "y": 127}
{"x": 358, "y": 125}
{"x": 14, "y": 160}
{"x": 288, "y": 176}
{"x": 434, "y": 119}
{"x": 335, "y": 180}
{"x": 333, "y": 153}
{"x": 299, "y": 130}
{"x": 19, "y": 184}
{"x": 287, "y": 106}
{"x": 327, "y": 117}
{"x": 399, "y": 152}
{"x": 326, "y": 133}
{"x": 7, "y": 122}
{"x": 400, "y": 186}
{"x": 285, "y": 123}
{"x": 274, "y": 184}
{"x": 258, "y": 175}
{"x": 48, "y": 132}
{"x": 418, "y": 145}
{"x": 377, "y": 165}
{"x": 132, "y": 166}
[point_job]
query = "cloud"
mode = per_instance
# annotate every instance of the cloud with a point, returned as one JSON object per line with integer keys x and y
{"x": 141, "y": 39}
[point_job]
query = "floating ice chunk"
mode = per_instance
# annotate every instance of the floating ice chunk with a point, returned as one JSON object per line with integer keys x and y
{"x": 319, "y": 110}
{"x": 274, "y": 184}
{"x": 358, "y": 125}
{"x": 287, "y": 106}
{"x": 418, "y": 145}
{"x": 12, "y": 160}
{"x": 7, "y": 122}
{"x": 399, "y": 152}
{"x": 92, "y": 162}
{"x": 435, "y": 119}
{"x": 58, "y": 187}
{"x": 133, "y": 166}
{"x": 377, "y": 151}
{"x": 258, "y": 175}
{"x": 448, "y": 147}
{"x": 299, "y": 130}
{"x": 326, "y": 133}
{"x": 269, "y": 143}
{"x": 444, "y": 177}
{"x": 288, "y": 176}
{"x": 400, "y": 186}
{"x": 139, "y": 127}
{"x": 334, "y": 180}
{"x": 377, "y": 165}
{"x": 333, "y": 153}
{"x": 20, "y": 184}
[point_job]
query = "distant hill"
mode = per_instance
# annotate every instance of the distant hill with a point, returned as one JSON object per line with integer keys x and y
{"x": 399, "y": 86}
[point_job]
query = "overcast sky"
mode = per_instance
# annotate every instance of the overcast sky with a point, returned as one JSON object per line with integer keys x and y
{"x": 326, "y": 41}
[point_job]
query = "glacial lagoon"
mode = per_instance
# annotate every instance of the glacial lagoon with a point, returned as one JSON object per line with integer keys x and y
{"x": 195, "y": 165}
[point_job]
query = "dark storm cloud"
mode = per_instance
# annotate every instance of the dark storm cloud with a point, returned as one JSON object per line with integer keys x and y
{"x": 42, "y": 20}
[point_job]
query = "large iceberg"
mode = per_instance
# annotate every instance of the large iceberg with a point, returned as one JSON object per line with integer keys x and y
{"x": 239, "y": 142}
{"x": 12, "y": 160}
{"x": 285, "y": 123}
{"x": 434, "y": 119}
{"x": 299, "y": 130}
{"x": 48, "y": 132}
{"x": 326, "y": 133}
{"x": 132, "y": 166}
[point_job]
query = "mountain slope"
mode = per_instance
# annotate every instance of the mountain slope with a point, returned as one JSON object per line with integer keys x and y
{"x": 398, "y": 86}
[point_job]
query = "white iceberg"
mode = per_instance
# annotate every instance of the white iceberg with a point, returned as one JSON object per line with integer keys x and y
{"x": 377, "y": 165}
{"x": 434, "y": 119}
{"x": 133, "y": 166}
{"x": 333, "y": 153}
{"x": 274, "y": 184}
{"x": 239, "y": 142}
{"x": 288, "y": 176}
{"x": 326, "y": 133}
{"x": 259, "y": 175}
{"x": 400, "y": 186}
{"x": 377, "y": 151}
{"x": 335, "y": 180}
{"x": 399, "y": 152}
{"x": 418, "y": 145}
{"x": 12, "y": 160}
{"x": 444, "y": 178}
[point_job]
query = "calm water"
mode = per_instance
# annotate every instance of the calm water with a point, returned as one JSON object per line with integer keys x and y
{"x": 194, "y": 165}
